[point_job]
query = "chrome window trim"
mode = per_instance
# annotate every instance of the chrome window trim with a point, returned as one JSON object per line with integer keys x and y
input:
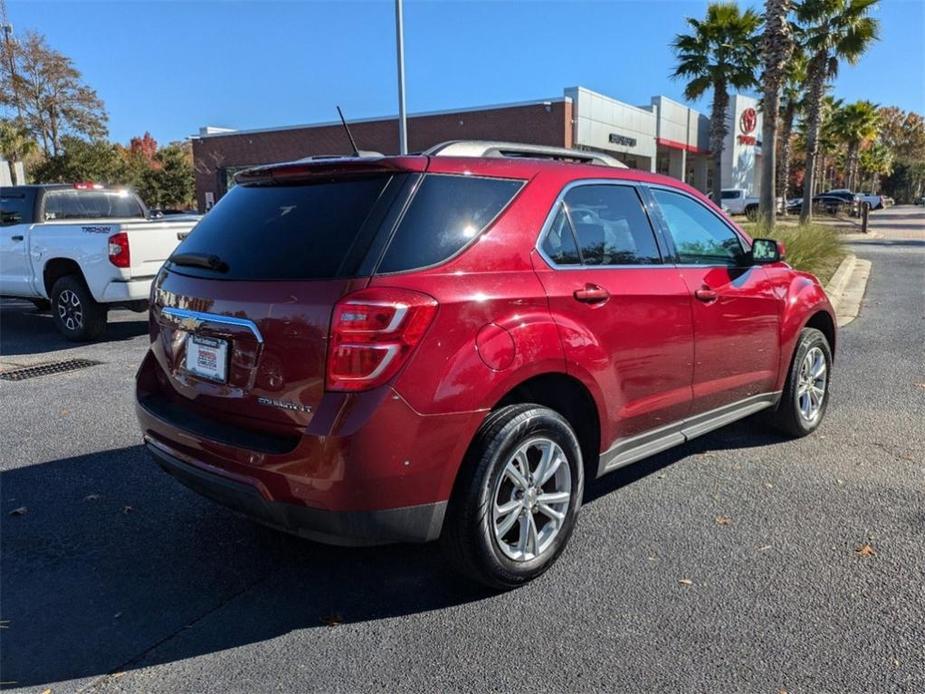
{"x": 560, "y": 201}
{"x": 181, "y": 314}
{"x": 667, "y": 231}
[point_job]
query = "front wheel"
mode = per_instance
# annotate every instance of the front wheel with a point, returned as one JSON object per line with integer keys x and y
{"x": 751, "y": 213}
{"x": 517, "y": 497}
{"x": 806, "y": 393}
{"x": 76, "y": 313}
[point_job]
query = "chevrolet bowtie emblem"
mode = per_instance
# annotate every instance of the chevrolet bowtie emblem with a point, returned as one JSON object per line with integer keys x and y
{"x": 189, "y": 323}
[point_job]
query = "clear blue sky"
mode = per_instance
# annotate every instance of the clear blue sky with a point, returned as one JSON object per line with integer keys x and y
{"x": 170, "y": 67}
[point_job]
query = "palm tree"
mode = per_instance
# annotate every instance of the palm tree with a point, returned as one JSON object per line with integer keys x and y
{"x": 833, "y": 30}
{"x": 856, "y": 125}
{"x": 719, "y": 53}
{"x": 776, "y": 49}
{"x": 792, "y": 102}
{"x": 876, "y": 161}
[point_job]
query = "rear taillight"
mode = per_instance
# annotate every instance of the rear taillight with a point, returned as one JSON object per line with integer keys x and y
{"x": 372, "y": 333}
{"x": 118, "y": 250}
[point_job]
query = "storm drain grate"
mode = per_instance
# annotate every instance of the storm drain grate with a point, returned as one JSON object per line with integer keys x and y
{"x": 46, "y": 369}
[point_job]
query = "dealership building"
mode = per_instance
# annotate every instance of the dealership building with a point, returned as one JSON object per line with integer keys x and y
{"x": 663, "y": 136}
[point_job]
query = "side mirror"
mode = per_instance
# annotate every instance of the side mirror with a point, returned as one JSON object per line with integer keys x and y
{"x": 766, "y": 251}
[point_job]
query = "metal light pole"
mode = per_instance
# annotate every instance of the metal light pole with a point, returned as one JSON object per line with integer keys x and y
{"x": 400, "y": 41}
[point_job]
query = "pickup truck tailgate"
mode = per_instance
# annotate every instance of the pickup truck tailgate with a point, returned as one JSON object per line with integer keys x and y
{"x": 152, "y": 242}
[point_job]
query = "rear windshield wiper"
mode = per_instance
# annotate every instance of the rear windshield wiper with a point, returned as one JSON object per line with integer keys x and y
{"x": 210, "y": 262}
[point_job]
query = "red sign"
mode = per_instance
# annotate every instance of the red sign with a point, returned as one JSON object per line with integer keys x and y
{"x": 748, "y": 121}
{"x": 748, "y": 140}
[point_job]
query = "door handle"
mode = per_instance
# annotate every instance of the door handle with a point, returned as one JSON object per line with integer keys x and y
{"x": 706, "y": 295}
{"x": 591, "y": 294}
{"x": 18, "y": 237}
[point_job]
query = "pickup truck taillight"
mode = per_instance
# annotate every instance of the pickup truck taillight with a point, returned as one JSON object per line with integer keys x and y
{"x": 118, "y": 250}
{"x": 373, "y": 331}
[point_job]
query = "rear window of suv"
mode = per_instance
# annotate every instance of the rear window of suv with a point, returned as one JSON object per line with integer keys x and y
{"x": 325, "y": 230}
{"x": 290, "y": 232}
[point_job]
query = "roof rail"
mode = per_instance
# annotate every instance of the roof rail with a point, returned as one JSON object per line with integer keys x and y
{"x": 488, "y": 148}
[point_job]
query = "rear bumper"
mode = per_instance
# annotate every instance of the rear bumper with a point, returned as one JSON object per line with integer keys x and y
{"x": 126, "y": 290}
{"x": 420, "y": 523}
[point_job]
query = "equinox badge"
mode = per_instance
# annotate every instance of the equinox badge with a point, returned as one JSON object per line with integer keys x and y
{"x": 284, "y": 405}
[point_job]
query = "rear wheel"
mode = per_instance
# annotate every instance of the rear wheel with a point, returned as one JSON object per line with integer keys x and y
{"x": 517, "y": 497}
{"x": 806, "y": 392}
{"x": 76, "y": 313}
{"x": 751, "y": 212}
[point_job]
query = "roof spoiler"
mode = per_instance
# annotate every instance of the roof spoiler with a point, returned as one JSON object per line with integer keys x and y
{"x": 488, "y": 148}
{"x": 327, "y": 165}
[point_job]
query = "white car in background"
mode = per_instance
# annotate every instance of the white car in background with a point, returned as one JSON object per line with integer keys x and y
{"x": 875, "y": 200}
{"x": 82, "y": 249}
{"x": 737, "y": 201}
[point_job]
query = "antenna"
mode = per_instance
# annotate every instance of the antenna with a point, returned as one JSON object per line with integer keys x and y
{"x": 353, "y": 143}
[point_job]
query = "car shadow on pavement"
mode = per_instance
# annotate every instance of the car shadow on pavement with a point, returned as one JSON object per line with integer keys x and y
{"x": 109, "y": 565}
{"x": 104, "y": 556}
{"x": 751, "y": 432}
{"x": 25, "y": 330}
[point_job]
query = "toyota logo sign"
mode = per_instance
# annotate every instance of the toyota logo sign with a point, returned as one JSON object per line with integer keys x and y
{"x": 748, "y": 121}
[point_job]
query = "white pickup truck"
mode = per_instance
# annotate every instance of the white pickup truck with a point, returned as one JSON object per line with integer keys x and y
{"x": 82, "y": 249}
{"x": 738, "y": 201}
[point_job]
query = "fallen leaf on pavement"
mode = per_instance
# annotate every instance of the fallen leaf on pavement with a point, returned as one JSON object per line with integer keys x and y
{"x": 865, "y": 550}
{"x": 723, "y": 520}
{"x": 332, "y": 620}
{"x": 920, "y": 385}
{"x": 46, "y": 691}
{"x": 21, "y": 511}
{"x": 686, "y": 582}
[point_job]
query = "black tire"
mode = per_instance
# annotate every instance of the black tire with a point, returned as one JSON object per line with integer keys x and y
{"x": 751, "y": 213}
{"x": 468, "y": 537}
{"x": 788, "y": 416}
{"x": 75, "y": 312}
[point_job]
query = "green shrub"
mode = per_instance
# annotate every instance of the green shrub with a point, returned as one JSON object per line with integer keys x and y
{"x": 811, "y": 247}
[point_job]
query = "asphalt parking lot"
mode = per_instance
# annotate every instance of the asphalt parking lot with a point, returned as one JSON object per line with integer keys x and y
{"x": 741, "y": 562}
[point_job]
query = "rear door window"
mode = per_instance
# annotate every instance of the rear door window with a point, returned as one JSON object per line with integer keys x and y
{"x": 13, "y": 210}
{"x": 611, "y": 225}
{"x": 446, "y": 214}
{"x": 559, "y": 243}
{"x": 298, "y": 231}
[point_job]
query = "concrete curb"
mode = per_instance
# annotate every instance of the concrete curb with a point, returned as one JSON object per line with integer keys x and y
{"x": 846, "y": 288}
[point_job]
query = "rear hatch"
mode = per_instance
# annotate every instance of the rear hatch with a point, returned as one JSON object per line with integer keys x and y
{"x": 242, "y": 310}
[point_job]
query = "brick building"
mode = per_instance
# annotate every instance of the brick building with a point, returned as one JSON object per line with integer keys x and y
{"x": 663, "y": 136}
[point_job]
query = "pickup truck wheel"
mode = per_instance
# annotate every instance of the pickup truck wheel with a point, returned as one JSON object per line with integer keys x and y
{"x": 517, "y": 497}
{"x": 76, "y": 313}
{"x": 806, "y": 393}
{"x": 751, "y": 213}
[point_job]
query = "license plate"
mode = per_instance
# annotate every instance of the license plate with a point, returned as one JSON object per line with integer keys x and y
{"x": 207, "y": 357}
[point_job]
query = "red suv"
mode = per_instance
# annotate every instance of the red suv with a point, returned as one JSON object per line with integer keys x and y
{"x": 366, "y": 350}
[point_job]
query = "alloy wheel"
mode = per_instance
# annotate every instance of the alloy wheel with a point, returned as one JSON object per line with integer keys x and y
{"x": 531, "y": 499}
{"x": 70, "y": 311}
{"x": 812, "y": 383}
